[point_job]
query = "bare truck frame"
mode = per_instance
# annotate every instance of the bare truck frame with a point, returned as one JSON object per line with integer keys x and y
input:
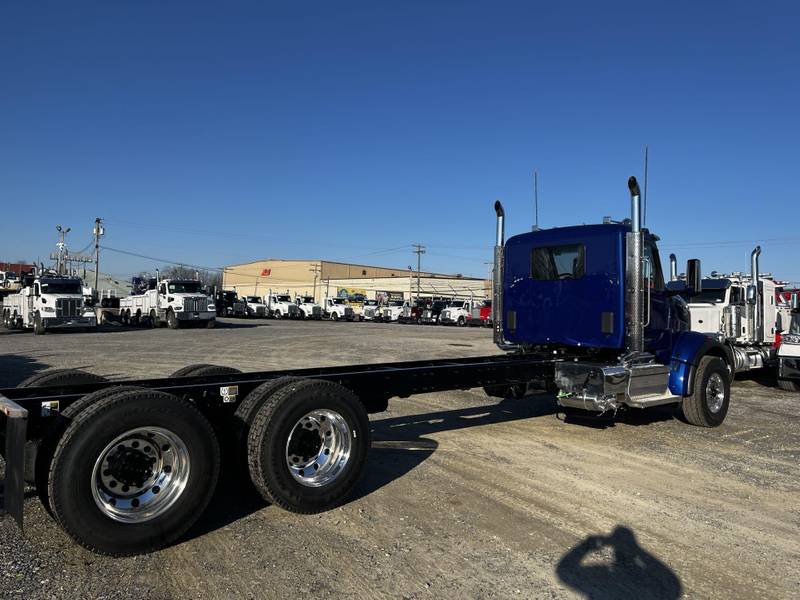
{"x": 151, "y": 448}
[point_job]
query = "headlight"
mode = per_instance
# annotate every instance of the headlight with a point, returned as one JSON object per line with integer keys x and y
{"x": 211, "y": 307}
{"x": 48, "y": 309}
{"x": 177, "y": 308}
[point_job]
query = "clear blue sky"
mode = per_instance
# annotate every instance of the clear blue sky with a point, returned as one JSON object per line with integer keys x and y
{"x": 212, "y": 133}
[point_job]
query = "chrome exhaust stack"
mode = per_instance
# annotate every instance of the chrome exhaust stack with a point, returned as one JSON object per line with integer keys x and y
{"x": 634, "y": 288}
{"x": 755, "y": 295}
{"x": 673, "y": 267}
{"x": 497, "y": 281}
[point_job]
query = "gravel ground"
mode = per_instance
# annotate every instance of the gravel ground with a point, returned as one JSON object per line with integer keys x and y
{"x": 463, "y": 497}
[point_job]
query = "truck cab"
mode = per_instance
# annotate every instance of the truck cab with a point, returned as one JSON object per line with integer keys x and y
{"x": 281, "y": 306}
{"x": 254, "y": 306}
{"x": 457, "y": 312}
{"x": 49, "y": 302}
{"x": 309, "y": 309}
{"x": 392, "y": 310}
{"x": 789, "y": 350}
{"x": 481, "y": 315}
{"x": 174, "y": 302}
{"x": 413, "y": 311}
{"x": 432, "y": 313}
{"x": 594, "y": 297}
{"x": 370, "y": 309}
{"x": 336, "y": 309}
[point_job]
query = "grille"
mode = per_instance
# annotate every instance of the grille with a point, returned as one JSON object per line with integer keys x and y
{"x": 69, "y": 307}
{"x": 294, "y": 309}
{"x": 317, "y": 311}
{"x": 261, "y": 311}
{"x": 427, "y": 314}
{"x": 348, "y": 312}
{"x": 369, "y": 312}
{"x": 195, "y": 304}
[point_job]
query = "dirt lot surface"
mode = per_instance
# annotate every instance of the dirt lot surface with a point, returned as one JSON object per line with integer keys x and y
{"x": 464, "y": 496}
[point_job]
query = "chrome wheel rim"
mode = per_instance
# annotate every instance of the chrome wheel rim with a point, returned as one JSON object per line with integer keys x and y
{"x": 140, "y": 474}
{"x": 318, "y": 448}
{"x": 715, "y": 392}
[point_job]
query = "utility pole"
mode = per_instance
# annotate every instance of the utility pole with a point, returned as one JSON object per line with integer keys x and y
{"x": 316, "y": 269}
{"x": 419, "y": 250}
{"x": 61, "y": 254}
{"x": 98, "y": 231}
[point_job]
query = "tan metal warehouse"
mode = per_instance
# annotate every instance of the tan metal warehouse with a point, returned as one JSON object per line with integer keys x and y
{"x": 321, "y": 277}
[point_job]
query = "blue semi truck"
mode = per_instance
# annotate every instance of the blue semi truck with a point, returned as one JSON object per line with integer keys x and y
{"x": 126, "y": 467}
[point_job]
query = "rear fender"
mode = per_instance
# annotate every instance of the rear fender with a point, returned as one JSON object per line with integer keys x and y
{"x": 689, "y": 348}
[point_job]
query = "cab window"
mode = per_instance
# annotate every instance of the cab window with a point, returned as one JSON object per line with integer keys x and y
{"x": 654, "y": 276}
{"x": 558, "y": 262}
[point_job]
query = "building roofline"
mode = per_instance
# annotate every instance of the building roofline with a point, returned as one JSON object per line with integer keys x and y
{"x": 359, "y": 265}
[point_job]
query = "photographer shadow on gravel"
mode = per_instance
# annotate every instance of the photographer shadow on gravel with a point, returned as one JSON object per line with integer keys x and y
{"x": 615, "y": 566}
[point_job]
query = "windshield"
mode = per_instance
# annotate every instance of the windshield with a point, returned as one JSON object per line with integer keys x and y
{"x": 253, "y": 299}
{"x": 308, "y": 300}
{"x": 61, "y": 287}
{"x": 184, "y": 287}
{"x": 370, "y": 303}
{"x": 396, "y": 303}
{"x": 456, "y": 304}
{"x": 487, "y": 304}
{"x": 338, "y": 301}
{"x": 708, "y": 296}
{"x": 11, "y": 276}
{"x": 284, "y": 299}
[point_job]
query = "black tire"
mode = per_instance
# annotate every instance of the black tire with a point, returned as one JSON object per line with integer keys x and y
{"x": 789, "y": 385}
{"x": 461, "y": 322}
{"x": 61, "y": 377}
{"x": 154, "y": 319}
{"x": 246, "y": 413}
{"x": 38, "y": 325}
{"x": 71, "y": 473}
{"x": 334, "y": 316}
{"x": 211, "y": 324}
{"x": 696, "y": 408}
{"x": 269, "y": 436}
{"x": 172, "y": 320}
{"x": 204, "y": 369}
{"x": 277, "y": 314}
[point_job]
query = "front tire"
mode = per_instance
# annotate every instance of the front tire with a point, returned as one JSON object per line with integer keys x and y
{"x": 789, "y": 385}
{"x": 133, "y": 472}
{"x": 708, "y": 404}
{"x": 308, "y": 445}
{"x": 172, "y": 320}
{"x": 38, "y": 324}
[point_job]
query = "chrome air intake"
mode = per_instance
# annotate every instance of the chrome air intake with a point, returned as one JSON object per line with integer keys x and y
{"x": 757, "y": 333}
{"x": 497, "y": 276}
{"x": 673, "y": 267}
{"x": 634, "y": 292}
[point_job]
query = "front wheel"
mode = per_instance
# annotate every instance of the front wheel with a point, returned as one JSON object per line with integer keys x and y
{"x": 133, "y": 471}
{"x": 211, "y": 324}
{"x": 38, "y": 324}
{"x": 708, "y": 404}
{"x": 308, "y": 445}
{"x": 172, "y": 320}
{"x": 461, "y": 322}
{"x": 334, "y": 316}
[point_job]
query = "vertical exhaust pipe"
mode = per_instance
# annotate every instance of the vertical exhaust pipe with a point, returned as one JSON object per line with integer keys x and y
{"x": 634, "y": 289}
{"x": 673, "y": 267}
{"x": 497, "y": 275}
{"x": 757, "y": 310}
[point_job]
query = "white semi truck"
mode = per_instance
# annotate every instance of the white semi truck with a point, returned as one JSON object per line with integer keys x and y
{"x": 48, "y": 302}
{"x": 393, "y": 310}
{"x": 172, "y": 301}
{"x": 309, "y": 309}
{"x": 741, "y": 311}
{"x": 789, "y": 349}
{"x": 458, "y": 312}
{"x": 336, "y": 309}
{"x": 280, "y": 306}
{"x": 254, "y": 306}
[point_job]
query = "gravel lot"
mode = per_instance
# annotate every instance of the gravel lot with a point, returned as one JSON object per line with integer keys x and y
{"x": 464, "y": 496}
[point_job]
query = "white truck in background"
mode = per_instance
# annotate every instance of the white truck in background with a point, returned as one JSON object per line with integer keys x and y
{"x": 254, "y": 306}
{"x": 370, "y": 310}
{"x": 175, "y": 302}
{"x": 280, "y": 306}
{"x": 789, "y": 349}
{"x": 48, "y": 302}
{"x": 309, "y": 309}
{"x": 740, "y": 310}
{"x": 392, "y": 310}
{"x": 457, "y": 312}
{"x": 336, "y": 309}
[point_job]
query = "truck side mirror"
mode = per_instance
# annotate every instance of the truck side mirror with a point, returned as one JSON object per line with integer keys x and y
{"x": 795, "y": 301}
{"x": 752, "y": 294}
{"x": 694, "y": 279}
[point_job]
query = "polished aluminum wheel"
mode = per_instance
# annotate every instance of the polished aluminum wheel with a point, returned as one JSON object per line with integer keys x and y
{"x": 318, "y": 448}
{"x": 140, "y": 474}
{"x": 715, "y": 392}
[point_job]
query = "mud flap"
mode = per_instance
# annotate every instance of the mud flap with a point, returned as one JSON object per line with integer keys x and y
{"x": 13, "y": 493}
